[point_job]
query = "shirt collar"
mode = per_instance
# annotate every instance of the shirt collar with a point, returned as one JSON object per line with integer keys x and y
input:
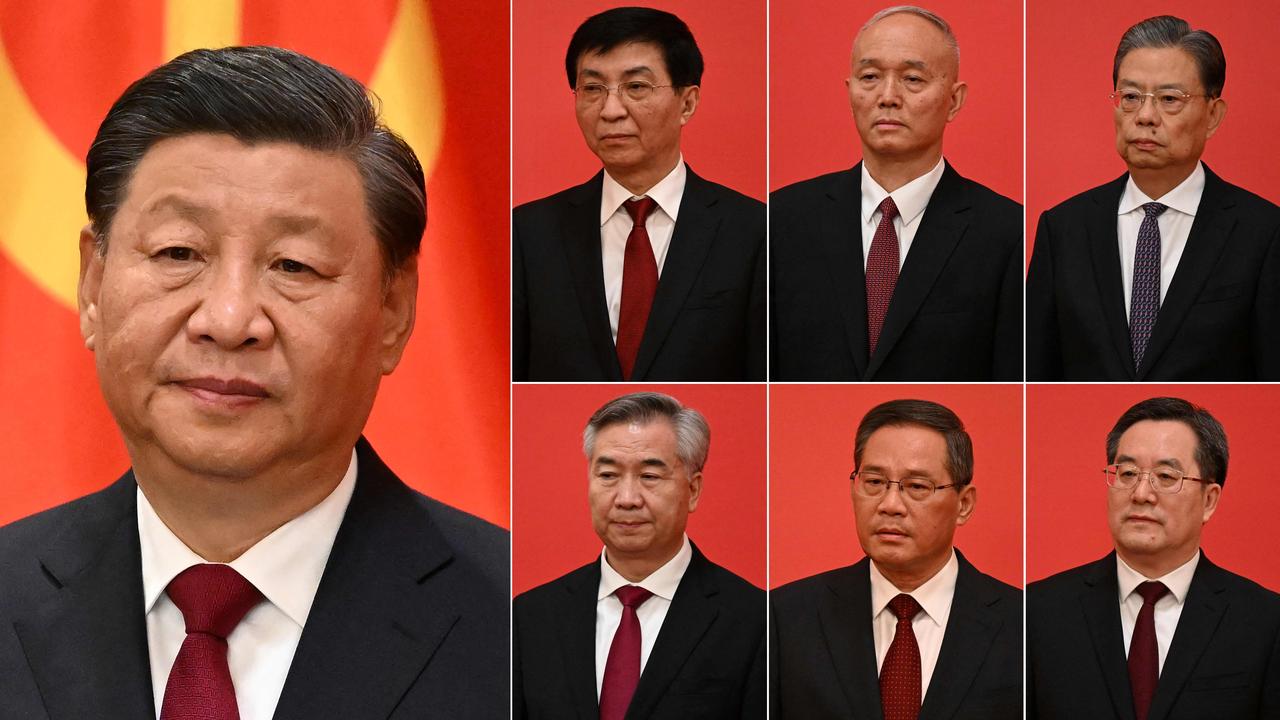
{"x": 1177, "y": 580}
{"x": 1185, "y": 198}
{"x": 911, "y": 198}
{"x": 285, "y": 566}
{"x": 661, "y": 582}
{"x": 934, "y": 595}
{"x": 666, "y": 193}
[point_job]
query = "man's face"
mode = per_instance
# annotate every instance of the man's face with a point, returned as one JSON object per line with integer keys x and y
{"x": 905, "y": 537}
{"x": 640, "y": 492}
{"x": 1156, "y": 529}
{"x": 634, "y": 136}
{"x": 1147, "y": 138}
{"x": 903, "y": 87}
{"x": 239, "y": 318}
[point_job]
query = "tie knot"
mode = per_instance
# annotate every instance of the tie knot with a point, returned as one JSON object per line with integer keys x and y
{"x": 1154, "y": 209}
{"x": 632, "y": 596}
{"x": 904, "y": 607}
{"x": 888, "y": 209}
{"x": 213, "y": 598}
{"x": 1151, "y": 591}
{"x": 639, "y": 209}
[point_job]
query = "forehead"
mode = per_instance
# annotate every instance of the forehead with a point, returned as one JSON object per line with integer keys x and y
{"x": 653, "y": 439}
{"x": 903, "y": 37}
{"x": 1159, "y": 67}
{"x": 633, "y": 58}
{"x": 1156, "y": 440}
{"x": 906, "y": 445}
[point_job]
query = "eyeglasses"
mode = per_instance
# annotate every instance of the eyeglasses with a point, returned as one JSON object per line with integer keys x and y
{"x": 633, "y": 90}
{"x": 875, "y": 485}
{"x": 1163, "y": 479}
{"x": 1169, "y": 102}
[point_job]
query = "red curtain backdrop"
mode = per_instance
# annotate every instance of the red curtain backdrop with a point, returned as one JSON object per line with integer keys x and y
{"x": 723, "y": 142}
{"x": 811, "y": 433}
{"x": 1067, "y": 427}
{"x": 551, "y": 521}
{"x": 441, "y": 420}
{"x": 811, "y": 128}
{"x": 1070, "y": 126}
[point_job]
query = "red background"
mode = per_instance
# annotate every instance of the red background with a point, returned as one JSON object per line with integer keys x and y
{"x": 811, "y": 433}
{"x": 1067, "y": 427}
{"x": 811, "y": 127}
{"x": 551, "y": 520}
{"x": 1070, "y": 126}
{"x": 723, "y": 142}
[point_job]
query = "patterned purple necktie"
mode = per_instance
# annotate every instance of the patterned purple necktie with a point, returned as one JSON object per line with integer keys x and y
{"x": 900, "y": 673}
{"x": 1144, "y": 654}
{"x": 882, "y": 272}
{"x": 1144, "y": 303}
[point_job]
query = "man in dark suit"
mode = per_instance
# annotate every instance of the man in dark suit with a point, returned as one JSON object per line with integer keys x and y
{"x": 652, "y": 628}
{"x": 913, "y": 630}
{"x": 646, "y": 271}
{"x": 899, "y": 269}
{"x": 1154, "y": 631}
{"x": 1168, "y": 272}
{"x": 249, "y": 214}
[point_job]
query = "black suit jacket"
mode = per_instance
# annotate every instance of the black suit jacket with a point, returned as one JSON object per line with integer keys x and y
{"x": 707, "y": 662}
{"x": 708, "y": 315}
{"x": 409, "y": 621}
{"x": 1223, "y": 663}
{"x": 1220, "y": 319}
{"x": 823, "y": 657}
{"x": 956, "y": 312}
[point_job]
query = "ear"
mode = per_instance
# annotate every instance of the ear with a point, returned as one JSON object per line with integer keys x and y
{"x": 695, "y": 490}
{"x": 1217, "y": 113}
{"x": 689, "y": 102}
{"x": 958, "y": 93}
{"x": 92, "y": 261}
{"x": 968, "y": 501}
{"x": 1212, "y": 494}
{"x": 399, "y": 308}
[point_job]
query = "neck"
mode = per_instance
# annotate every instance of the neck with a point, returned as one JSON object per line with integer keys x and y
{"x": 640, "y": 179}
{"x": 908, "y": 579}
{"x": 635, "y": 569}
{"x": 1157, "y": 183}
{"x": 892, "y": 173}
{"x": 1156, "y": 566}
{"x": 220, "y": 518}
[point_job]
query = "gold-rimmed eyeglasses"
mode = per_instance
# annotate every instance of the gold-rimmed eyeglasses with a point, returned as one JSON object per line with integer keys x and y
{"x": 1169, "y": 101}
{"x": 869, "y": 484}
{"x": 633, "y": 90}
{"x": 1163, "y": 479}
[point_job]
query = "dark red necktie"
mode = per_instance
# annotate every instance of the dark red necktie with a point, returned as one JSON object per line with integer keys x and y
{"x": 622, "y": 669}
{"x": 639, "y": 283}
{"x": 900, "y": 673}
{"x": 882, "y": 272}
{"x": 1144, "y": 654}
{"x": 213, "y": 600}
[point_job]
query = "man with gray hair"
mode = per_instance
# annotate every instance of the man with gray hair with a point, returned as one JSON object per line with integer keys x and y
{"x": 898, "y": 269}
{"x": 652, "y": 628}
{"x": 1167, "y": 273}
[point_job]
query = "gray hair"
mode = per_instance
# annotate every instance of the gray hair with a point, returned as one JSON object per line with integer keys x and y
{"x": 932, "y": 17}
{"x": 693, "y": 435}
{"x": 1166, "y": 31}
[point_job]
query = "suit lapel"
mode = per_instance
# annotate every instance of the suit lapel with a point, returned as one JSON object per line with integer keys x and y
{"x": 971, "y": 629}
{"x": 691, "y": 240}
{"x": 944, "y": 223}
{"x": 1104, "y": 247}
{"x": 840, "y": 242}
{"x": 381, "y": 610}
{"x": 845, "y": 616}
{"x": 1206, "y": 241}
{"x": 1099, "y": 600}
{"x": 97, "y": 617}
{"x": 580, "y": 236}
{"x": 577, "y": 631}
{"x": 1200, "y": 617}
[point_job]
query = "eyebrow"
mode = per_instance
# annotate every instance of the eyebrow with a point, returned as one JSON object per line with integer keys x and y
{"x": 647, "y": 462}
{"x": 910, "y": 472}
{"x": 1125, "y": 82}
{"x": 637, "y": 70}
{"x": 283, "y": 224}
{"x": 1171, "y": 462}
{"x": 916, "y": 64}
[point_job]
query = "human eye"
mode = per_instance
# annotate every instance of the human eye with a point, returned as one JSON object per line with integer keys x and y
{"x": 176, "y": 254}
{"x": 1127, "y": 474}
{"x": 874, "y": 482}
{"x": 293, "y": 267}
{"x": 1170, "y": 100}
{"x": 1168, "y": 478}
{"x": 919, "y": 488}
{"x": 637, "y": 89}
{"x": 868, "y": 76}
{"x": 592, "y": 91}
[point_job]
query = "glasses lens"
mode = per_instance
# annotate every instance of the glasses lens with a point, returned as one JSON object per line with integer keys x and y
{"x": 636, "y": 90}
{"x": 1166, "y": 480}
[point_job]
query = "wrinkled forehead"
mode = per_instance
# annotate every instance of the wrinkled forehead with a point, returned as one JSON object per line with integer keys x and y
{"x": 905, "y": 38}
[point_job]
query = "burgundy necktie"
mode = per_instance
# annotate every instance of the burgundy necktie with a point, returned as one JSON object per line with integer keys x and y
{"x": 900, "y": 673}
{"x": 639, "y": 283}
{"x": 1144, "y": 301}
{"x": 1144, "y": 654}
{"x": 622, "y": 669}
{"x": 213, "y": 599}
{"x": 882, "y": 272}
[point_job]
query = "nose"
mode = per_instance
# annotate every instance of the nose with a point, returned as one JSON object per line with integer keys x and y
{"x": 230, "y": 312}
{"x": 1147, "y": 113}
{"x": 890, "y": 94}
{"x": 1143, "y": 492}
{"x": 628, "y": 494}
{"x": 892, "y": 502}
{"x": 614, "y": 108}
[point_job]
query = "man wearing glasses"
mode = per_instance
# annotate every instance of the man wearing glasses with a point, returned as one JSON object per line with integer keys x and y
{"x": 1155, "y": 630}
{"x": 646, "y": 271}
{"x": 1168, "y": 272}
{"x": 912, "y": 630}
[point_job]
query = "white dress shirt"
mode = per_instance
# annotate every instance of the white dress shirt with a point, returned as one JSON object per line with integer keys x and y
{"x": 1168, "y": 608}
{"x": 1175, "y": 226}
{"x": 929, "y": 626}
{"x": 911, "y": 200}
{"x": 285, "y": 566}
{"x": 662, "y": 583}
{"x": 615, "y": 226}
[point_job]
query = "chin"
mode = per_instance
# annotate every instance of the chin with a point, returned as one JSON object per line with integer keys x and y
{"x": 215, "y": 454}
